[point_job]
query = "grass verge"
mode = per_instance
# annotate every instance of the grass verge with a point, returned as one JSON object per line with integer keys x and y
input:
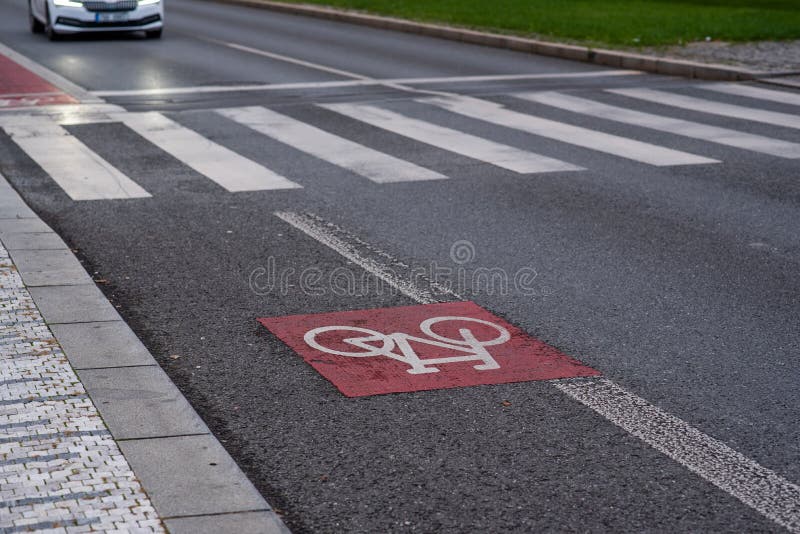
{"x": 603, "y": 22}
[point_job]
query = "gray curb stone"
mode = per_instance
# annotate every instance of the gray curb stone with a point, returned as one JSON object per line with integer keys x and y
{"x": 192, "y": 482}
{"x": 599, "y": 56}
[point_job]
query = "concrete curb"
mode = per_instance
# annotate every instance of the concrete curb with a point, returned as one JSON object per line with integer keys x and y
{"x": 192, "y": 482}
{"x": 599, "y": 56}
{"x": 791, "y": 81}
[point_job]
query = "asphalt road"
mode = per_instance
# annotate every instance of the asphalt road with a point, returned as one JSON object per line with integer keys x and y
{"x": 679, "y": 282}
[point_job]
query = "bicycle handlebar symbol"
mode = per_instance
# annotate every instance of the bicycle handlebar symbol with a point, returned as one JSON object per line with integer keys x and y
{"x": 474, "y": 349}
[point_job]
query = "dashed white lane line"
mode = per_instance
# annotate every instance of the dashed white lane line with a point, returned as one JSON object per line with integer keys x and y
{"x": 750, "y": 91}
{"x": 712, "y": 107}
{"x": 370, "y": 163}
{"x": 80, "y": 172}
{"x": 695, "y": 130}
{"x": 751, "y": 483}
{"x": 349, "y": 248}
{"x": 359, "y": 83}
{"x": 227, "y": 168}
{"x": 465, "y": 144}
{"x": 494, "y": 113}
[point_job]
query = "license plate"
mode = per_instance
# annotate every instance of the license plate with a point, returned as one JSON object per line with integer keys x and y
{"x": 110, "y": 17}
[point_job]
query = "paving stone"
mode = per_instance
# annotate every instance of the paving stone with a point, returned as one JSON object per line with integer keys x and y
{"x": 11, "y": 204}
{"x": 16, "y": 226}
{"x": 250, "y": 522}
{"x": 49, "y": 267}
{"x": 58, "y": 461}
{"x": 34, "y": 241}
{"x": 140, "y": 402}
{"x": 191, "y": 475}
{"x": 73, "y": 304}
{"x": 103, "y": 344}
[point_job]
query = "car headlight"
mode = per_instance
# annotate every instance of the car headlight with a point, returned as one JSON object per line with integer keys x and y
{"x": 68, "y": 3}
{"x": 148, "y": 2}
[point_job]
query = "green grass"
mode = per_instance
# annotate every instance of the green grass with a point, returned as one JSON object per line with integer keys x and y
{"x": 609, "y": 22}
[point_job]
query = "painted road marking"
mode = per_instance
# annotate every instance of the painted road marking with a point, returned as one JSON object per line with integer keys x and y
{"x": 359, "y": 83}
{"x": 348, "y": 247}
{"x": 417, "y": 348}
{"x": 21, "y": 87}
{"x": 80, "y": 172}
{"x": 58, "y": 81}
{"x": 227, "y": 168}
{"x": 566, "y": 133}
{"x": 754, "y": 485}
{"x": 377, "y": 166}
{"x": 750, "y": 91}
{"x": 465, "y": 144}
{"x": 695, "y": 130}
{"x": 709, "y": 106}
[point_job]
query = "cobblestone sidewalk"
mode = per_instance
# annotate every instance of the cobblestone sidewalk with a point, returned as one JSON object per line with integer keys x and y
{"x": 60, "y": 469}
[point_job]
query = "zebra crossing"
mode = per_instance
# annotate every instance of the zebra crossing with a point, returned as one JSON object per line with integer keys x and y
{"x": 85, "y": 175}
{"x": 373, "y": 165}
{"x": 80, "y": 172}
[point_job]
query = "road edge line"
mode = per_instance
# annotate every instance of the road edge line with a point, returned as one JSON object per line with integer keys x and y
{"x": 153, "y": 449}
{"x": 598, "y": 56}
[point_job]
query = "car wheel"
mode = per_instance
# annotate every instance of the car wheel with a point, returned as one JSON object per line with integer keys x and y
{"x": 35, "y": 24}
{"x": 154, "y": 34}
{"x": 48, "y": 27}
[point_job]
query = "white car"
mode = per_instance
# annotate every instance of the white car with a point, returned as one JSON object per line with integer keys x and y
{"x": 58, "y": 17}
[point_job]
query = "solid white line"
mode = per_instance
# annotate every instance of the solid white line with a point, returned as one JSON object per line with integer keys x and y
{"x": 695, "y": 130}
{"x": 513, "y": 77}
{"x": 30, "y": 95}
{"x": 377, "y": 166}
{"x": 784, "y": 97}
{"x": 468, "y": 145}
{"x": 80, "y": 172}
{"x": 61, "y": 113}
{"x": 756, "y": 486}
{"x": 225, "y": 167}
{"x": 710, "y": 106}
{"x": 59, "y": 81}
{"x": 566, "y": 133}
{"x": 358, "y": 83}
{"x": 319, "y": 232}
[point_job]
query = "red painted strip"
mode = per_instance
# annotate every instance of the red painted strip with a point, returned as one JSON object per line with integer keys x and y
{"x": 478, "y": 348}
{"x": 21, "y": 87}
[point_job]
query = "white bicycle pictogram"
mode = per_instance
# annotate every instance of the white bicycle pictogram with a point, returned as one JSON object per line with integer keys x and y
{"x": 397, "y": 346}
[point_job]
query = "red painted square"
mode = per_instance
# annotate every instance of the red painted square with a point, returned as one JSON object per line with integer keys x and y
{"x": 414, "y": 348}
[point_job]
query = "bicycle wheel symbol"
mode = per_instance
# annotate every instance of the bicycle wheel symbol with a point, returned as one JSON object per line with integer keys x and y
{"x": 397, "y": 346}
{"x": 361, "y": 342}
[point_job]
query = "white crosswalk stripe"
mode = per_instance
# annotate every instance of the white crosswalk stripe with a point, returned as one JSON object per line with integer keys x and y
{"x": 85, "y": 175}
{"x": 712, "y": 107}
{"x": 695, "y": 130}
{"x": 367, "y": 162}
{"x": 611, "y": 144}
{"x": 80, "y": 172}
{"x": 783, "y": 97}
{"x": 474, "y": 147}
{"x": 220, "y": 164}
